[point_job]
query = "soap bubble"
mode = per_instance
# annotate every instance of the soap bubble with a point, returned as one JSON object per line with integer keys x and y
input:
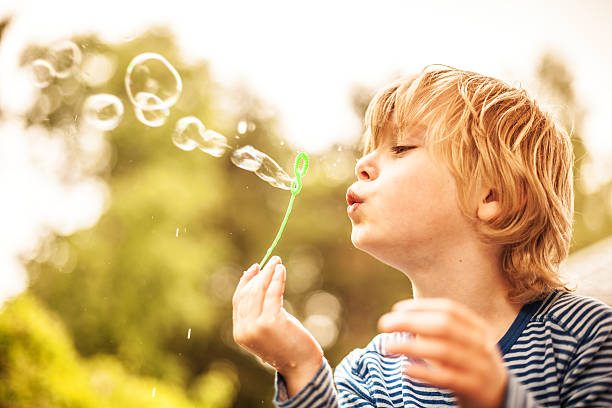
{"x": 43, "y": 73}
{"x": 152, "y": 74}
{"x": 271, "y": 172}
{"x": 190, "y": 133}
{"x": 251, "y": 159}
{"x": 150, "y": 116}
{"x": 104, "y": 111}
{"x": 214, "y": 143}
{"x": 247, "y": 158}
{"x": 66, "y": 57}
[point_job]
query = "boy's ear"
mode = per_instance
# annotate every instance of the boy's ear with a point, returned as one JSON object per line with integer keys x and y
{"x": 489, "y": 206}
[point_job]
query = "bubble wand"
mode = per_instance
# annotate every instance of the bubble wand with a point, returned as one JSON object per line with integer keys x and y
{"x": 296, "y": 187}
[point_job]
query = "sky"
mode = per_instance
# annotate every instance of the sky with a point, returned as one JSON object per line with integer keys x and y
{"x": 303, "y": 59}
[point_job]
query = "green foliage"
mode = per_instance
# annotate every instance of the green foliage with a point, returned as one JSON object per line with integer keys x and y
{"x": 592, "y": 209}
{"x": 40, "y": 368}
{"x": 179, "y": 229}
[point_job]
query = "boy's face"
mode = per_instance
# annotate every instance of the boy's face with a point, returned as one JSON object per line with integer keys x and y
{"x": 409, "y": 212}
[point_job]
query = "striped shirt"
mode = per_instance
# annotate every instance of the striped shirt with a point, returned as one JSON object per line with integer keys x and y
{"x": 558, "y": 352}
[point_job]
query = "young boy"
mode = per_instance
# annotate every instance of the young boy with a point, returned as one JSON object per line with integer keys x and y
{"x": 466, "y": 187}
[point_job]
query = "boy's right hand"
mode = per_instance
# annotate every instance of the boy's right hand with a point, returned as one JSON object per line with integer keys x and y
{"x": 264, "y": 328}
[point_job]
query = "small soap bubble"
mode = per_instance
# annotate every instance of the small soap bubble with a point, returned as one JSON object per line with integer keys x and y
{"x": 189, "y": 334}
{"x": 247, "y": 158}
{"x": 214, "y": 143}
{"x": 242, "y": 127}
{"x": 153, "y": 393}
{"x": 339, "y": 148}
{"x": 177, "y": 230}
{"x": 42, "y": 73}
{"x": 271, "y": 172}
{"x": 188, "y": 133}
{"x": 153, "y": 74}
{"x": 150, "y": 117}
{"x": 66, "y": 57}
{"x": 104, "y": 111}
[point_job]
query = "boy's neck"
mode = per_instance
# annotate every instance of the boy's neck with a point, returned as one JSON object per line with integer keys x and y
{"x": 471, "y": 276}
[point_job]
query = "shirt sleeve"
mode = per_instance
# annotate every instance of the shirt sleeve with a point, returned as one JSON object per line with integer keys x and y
{"x": 349, "y": 390}
{"x": 319, "y": 392}
{"x": 588, "y": 381}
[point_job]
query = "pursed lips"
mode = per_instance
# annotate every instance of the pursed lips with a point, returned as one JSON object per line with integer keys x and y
{"x": 353, "y": 200}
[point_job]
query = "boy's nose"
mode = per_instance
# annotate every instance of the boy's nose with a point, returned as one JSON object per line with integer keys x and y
{"x": 364, "y": 169}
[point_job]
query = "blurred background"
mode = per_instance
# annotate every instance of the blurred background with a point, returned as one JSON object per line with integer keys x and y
{"x": 120, "y": 252}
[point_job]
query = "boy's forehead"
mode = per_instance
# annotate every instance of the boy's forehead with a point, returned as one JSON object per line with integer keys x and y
{"x": 394, "y": 132}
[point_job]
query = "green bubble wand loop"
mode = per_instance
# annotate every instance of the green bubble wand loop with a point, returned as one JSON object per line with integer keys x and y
{"x": 296, "y": 187}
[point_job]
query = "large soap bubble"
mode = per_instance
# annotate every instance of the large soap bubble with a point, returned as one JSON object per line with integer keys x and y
{"x": 190, "y": 133}
{"x": 251, "y": 159}
{"x": 150, "y": 116}
{"x": 247, "y": 158}
{"x": 104, "y": 111}
{"x": 66, "y": 58}
{"x": 152, "y": 74}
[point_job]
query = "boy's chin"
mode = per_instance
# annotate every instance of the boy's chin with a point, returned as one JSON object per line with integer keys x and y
{"x": 361, "y": 240}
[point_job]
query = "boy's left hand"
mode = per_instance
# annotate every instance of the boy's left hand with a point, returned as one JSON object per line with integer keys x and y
{"x": 460, "y": 351}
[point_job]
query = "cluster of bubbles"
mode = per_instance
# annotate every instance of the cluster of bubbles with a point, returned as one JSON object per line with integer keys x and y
{"x": 61, "y": 61}
{"x": 153, "y": 86}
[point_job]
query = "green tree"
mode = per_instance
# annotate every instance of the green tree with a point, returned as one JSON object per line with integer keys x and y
{"x": 592, "y": 210}
{"x": 130, "y": 287}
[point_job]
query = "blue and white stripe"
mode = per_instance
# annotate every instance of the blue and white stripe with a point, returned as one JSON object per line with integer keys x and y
{"x": 558, "y": 352}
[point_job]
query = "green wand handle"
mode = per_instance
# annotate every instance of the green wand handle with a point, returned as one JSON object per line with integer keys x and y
{"x": 296, "y": 187}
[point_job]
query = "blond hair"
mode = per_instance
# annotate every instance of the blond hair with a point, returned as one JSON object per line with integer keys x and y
{"x": 488, "y": 132}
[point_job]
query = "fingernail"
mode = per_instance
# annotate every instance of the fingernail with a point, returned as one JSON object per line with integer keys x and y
{"x": 278, "y": 269}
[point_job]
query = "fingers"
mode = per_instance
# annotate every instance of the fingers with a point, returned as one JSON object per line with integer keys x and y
{"x": 434, "y": 351}
{"x": 240, "y": 301}
{"x": 438, "y": 318}
{"x": 455, "y": 309}
{"x": 256, "y": 288}
{"x": 273, "y": 300}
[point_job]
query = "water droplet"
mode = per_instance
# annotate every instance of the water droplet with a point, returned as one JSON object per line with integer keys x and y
{"x": 177, "y": 230}
{"x": 242, "y": 127}
{"x": 42, "y": 73}
{"x": 150, "y": 117}
{"x": 189, "y": 334}
{"x": 153, "y": 74}
{"x": 247, "y": 158}
{"x": 104, "y": 111}
{"x": 292, "y": 364}
{"x": 153, "y": 393}
{"x": 66, "y": 58}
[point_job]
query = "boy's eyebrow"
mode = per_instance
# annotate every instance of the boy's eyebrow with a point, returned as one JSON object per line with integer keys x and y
{"x": 411, "y": 134}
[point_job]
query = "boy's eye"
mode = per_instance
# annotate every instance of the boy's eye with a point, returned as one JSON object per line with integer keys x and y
{"x": 401, "y": 149}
